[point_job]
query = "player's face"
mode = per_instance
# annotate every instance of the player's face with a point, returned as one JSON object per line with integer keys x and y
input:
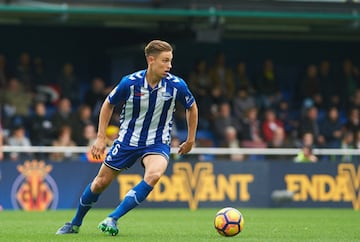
{"x": 161, "y": 64}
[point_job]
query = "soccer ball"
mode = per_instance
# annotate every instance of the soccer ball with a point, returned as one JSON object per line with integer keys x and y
{"x": 229, "y": 222}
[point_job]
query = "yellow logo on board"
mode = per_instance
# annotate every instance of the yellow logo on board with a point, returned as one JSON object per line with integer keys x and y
{"x": 326, "y": 188}
{"x": 193, "y": 185}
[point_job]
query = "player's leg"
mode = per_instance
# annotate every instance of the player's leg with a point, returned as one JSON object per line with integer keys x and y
{"x": 90, "y": 195}
{"x": 155, "y": 166}
{"x": 92, "y": 192}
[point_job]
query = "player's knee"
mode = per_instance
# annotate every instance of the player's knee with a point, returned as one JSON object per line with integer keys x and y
{"x": 100, "y": 184}
{"x": 152, "y": 178}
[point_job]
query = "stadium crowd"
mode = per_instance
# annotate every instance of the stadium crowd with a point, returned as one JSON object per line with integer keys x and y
{"x": 236, "y": 109}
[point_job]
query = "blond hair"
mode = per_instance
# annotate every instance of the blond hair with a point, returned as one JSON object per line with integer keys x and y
{"x": 155, "y": 47}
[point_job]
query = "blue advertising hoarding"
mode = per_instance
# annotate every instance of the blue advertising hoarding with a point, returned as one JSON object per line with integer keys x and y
{"x": 39, "y": 185}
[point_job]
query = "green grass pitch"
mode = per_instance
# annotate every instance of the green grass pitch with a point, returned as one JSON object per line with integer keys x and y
{"x": 166, "y": 225}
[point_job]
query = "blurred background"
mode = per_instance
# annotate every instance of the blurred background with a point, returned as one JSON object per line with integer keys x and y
{"x": 270, "y": 71}
{"x": 267, "y": 74}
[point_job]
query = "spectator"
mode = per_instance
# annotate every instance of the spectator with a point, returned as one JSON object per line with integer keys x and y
{"x": 329, "y": 87}
{"x": 357, "y": 144}
{"x": 64, "y": 139}
{"x": 335, "y": 101}
{"x": 242, "y": 102}
{"x": 69, "y": 84}
{"x": 353, "y": 122}
{"x": 241, "y": 79}
{"x": 347, "y": 142}
{"x": 310, "y": 84}
{"x": 49, "y": 94}
{"x": 45, "y": 91}
{"x": 223, "y": 120}
{"x": 267, "y": 85}
{"x": 331, "y": 129}
{"x": 24, "y": 71}
{"x": 307, "y": 140}
{"x": 309, "y": 124}
{"x": 355, "y": 100}
{"x": 279, "y": 141}
{"x": 357, "y": 140}
{"x": 305, "y": 155}
{"x": 4, "y": 74}
{"x": 318, "y": 102}
{"x": 41, "y": 127}
{"x": 349, "y": 81}
{"x": 288, "y": 116}
{"x": 95, "y": 96}
{"x": 222, "y": 77}
{"x": 81, "y": 119}
{"x": 216, "y": 100}
{"x": 40, "y": 75}
{"x": 270, "y": 125}
{"x": 175, "y": 142}
{"x": 63, "y": 114}
{"x": 199, "y": 80}
{"x": 90, "y": 134}
{"x": 17, "y": 102}
{"x": 232, "y": 141}
{"x": 200, "y": 85}
{"x": 18, "y": 138}
{"x": 251, "y": 136}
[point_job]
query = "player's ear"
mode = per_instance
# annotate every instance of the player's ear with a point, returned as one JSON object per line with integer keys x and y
{"x": 150, "y": 59}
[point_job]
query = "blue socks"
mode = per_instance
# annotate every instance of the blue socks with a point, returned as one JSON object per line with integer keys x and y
{"x": 87, "y": 199}
{"x": 132, "y": 199}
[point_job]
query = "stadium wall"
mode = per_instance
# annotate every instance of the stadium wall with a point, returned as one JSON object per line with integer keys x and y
{"x": 39, "y": 185}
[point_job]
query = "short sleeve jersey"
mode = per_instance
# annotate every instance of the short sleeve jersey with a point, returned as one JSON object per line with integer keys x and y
{"x": 147, "y": 113}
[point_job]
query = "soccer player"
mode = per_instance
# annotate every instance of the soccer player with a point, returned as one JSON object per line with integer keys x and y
{"x": 148, "y": 103}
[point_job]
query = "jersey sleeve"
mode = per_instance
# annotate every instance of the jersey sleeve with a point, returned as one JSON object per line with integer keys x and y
{"x": 184, "y": 95}
{"x": 120, "y": 93}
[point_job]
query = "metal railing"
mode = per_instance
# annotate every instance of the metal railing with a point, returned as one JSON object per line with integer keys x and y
{"x": 196, "y": 150}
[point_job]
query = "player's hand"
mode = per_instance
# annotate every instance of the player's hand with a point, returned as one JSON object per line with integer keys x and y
{"x": 185, "y": 147}
{"x": 98, "y": 148}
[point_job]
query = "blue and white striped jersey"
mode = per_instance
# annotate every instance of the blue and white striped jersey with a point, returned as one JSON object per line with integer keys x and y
{"x": 147, "y": 113}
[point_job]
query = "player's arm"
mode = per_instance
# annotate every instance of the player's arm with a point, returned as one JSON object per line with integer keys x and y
{"x": 100, "y": 144}
{"x": 192, "y": 121}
